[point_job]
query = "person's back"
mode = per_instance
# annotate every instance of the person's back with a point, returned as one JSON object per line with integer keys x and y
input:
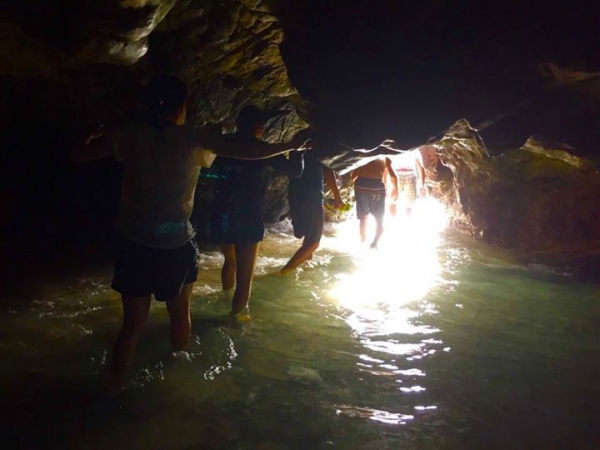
{"x": 409, "y": 171}
{"x": 236, "y": 220}
{"x": 309, "y": 186}
{"x": 160, "y": 172}
{"x": 157, "y": 254}
{"x": 236, "y": 212}
{"x": 305, "y": 196}
{"x": 370, "y": 193}
{"x": 373, "y": 170}
{"x": 404, "y": 162}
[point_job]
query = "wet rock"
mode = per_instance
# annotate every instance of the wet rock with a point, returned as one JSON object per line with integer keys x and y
{"x": 565, "y": 110}
{"x": 539, "y": 198}
{"x": 24, "y": 56}
{"x": 227, "y": 51}
{"x": 66, "y": 65}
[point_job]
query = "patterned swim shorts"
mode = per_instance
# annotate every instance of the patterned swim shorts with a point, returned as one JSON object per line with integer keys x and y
{"x": 407, "y": 186}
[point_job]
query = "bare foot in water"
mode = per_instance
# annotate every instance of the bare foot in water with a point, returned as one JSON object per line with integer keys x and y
{"x": 240, "y": 318}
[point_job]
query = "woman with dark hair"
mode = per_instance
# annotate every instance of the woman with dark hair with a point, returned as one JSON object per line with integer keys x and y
{"x": 157, "y": 253}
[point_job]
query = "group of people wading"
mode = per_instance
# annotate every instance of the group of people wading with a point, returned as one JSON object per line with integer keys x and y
{"x": 162, "y": 159}
{"x": 400, "y": 177}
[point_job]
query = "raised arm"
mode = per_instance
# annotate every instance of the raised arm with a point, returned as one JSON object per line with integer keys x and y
{"x": 420, "y": 174}
{"x": 387, "y": 147}
{"x": 330, "y": 181}
{"x": 95, "y": 146}
{"x": 389, "y": 175}
{"x": 234, "y": 146}
{"x": 291, "y": 165}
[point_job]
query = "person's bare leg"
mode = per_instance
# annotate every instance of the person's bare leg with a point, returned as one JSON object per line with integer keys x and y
{"x": 245, "y": 262}
{"x": 228, "y": 269}
{"x": 303, "y": 254}
{"x": 378, "y": 231}
{"x": 393, "y": 209}
{"x": 135, "y": 314}
{"x": 181, "y": 323}
{"x": 363, "y": 228}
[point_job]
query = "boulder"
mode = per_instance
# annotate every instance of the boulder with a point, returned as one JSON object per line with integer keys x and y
{"x": 540, "y": 199}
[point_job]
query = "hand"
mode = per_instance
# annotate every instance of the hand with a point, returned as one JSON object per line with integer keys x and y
{"x": 423, "y": 191}
{"x": 338, "y": 203}
{"x": 306, "y": 145}
{"x": 394, "y": 194}
{"x": 96, "y": 132}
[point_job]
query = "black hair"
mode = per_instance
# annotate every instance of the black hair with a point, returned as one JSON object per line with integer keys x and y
{"x": 249, "y": 119}
{"x": 165, "y": 95}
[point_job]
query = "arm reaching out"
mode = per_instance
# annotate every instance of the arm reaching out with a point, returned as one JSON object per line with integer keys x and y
{"x": 420, "y": 175}
{"x": 387, "y": 147}
{"x": 390, "y": 175}
{"x": 291, "y": 166}
{"x": 235, "y": 146}
{"x": 95, "y": 146}
{"x": 331, "y": 183}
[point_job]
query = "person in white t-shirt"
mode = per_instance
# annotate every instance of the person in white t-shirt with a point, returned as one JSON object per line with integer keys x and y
{"x": 408, "y": 167}
{"x": 157, "y": 254}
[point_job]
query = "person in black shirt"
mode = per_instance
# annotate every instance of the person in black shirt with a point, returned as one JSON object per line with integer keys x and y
{"x": 236, "y": 221}
{"x": 306, "y": 208}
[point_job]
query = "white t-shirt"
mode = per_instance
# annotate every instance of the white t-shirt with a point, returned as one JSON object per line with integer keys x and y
{"x": 160, "y": 173}
{"x": 405, "y": 162}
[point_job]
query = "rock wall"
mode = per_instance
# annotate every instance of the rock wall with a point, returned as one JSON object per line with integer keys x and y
{"x": 64, "y": 65}
{"x": 228, "y": 52}
{"x": 539, "y": 199}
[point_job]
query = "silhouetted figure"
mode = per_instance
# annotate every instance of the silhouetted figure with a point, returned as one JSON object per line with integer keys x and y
{"x": 157, "y": 254}
{"x": 370, "y": 193}
{"x": 236, "y": 221}
{"x": 306, "y": 208}
{"x": 410, "y": 170}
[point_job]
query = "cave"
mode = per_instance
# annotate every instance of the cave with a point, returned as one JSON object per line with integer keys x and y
{"x": 472, "y": 325}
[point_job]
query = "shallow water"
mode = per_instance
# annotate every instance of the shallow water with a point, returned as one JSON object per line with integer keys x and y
{"x": 430, "y": 342}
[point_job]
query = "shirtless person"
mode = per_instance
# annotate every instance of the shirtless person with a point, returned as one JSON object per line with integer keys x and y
{"x": 369, "y": 191}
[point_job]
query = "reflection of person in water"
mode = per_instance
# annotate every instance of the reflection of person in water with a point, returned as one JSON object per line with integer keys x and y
{"x": 306, "y": 208}
{"x": 236, "y": 220}
{"x": 369, "y": 191}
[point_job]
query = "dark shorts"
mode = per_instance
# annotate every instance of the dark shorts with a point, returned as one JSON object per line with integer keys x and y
{"x": 369, "y": 200}
{"x": 307, "y": 220}
{"x": 226, "y": 228}
{"x": 142, "y": 271}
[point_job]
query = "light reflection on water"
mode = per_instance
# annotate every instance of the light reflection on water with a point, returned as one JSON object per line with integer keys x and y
{"x": 429, "y": 342}
{"x": 384, "y": 297}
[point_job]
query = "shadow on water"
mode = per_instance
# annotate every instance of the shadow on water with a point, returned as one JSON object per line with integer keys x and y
{"x": 53, "y": 404}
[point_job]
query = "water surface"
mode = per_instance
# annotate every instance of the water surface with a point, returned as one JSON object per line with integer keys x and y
{"x": 430, "y": 342}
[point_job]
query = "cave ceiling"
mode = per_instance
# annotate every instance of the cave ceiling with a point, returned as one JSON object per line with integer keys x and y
{"x": 364, "y": 71}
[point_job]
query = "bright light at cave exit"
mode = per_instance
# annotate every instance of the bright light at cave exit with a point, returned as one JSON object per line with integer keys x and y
{"x": 404, "y": 267}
